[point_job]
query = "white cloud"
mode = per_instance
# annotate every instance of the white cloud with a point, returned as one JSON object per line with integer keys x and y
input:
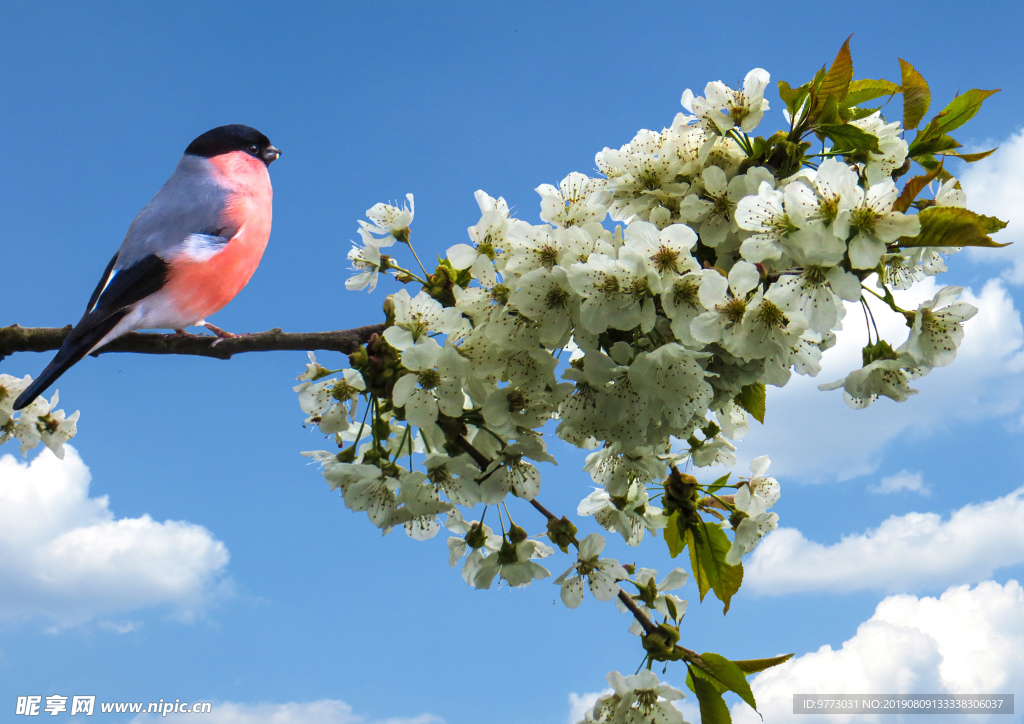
{"x": 968, "y": 641}
{"x": 65, "y": 557}
{"x": 579, "y": 704}
{"x": 906, "y": 552}
{"x": 903, "y": 480}
{"x": 995, "y": 187}
{"x": 323, "y": 711}
{"x": 814, "y": 436}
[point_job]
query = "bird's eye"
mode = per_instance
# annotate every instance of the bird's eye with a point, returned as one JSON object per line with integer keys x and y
{"x": 254, "y": 149}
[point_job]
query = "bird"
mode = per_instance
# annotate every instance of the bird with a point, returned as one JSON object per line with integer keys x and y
{"x": 187, "y": 253}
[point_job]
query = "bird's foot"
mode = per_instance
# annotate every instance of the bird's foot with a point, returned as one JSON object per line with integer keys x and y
{"x": 180, "y": 334}
{"x": 221, "y": 334}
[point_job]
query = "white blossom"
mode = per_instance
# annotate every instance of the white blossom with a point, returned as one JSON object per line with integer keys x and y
{"x": 372, "y": 491}
{"x": 420, "y": 506}
{"x": 416, "y": 317}
{"x": 726, "y": 108}
{"x": 434, "y": 385}
{"x": 630, "y": 515}
{"x": 366, "y": 264}
{"x": 617, "y": 293}
{"x": 753, "y": 499}
{"x": 892, "y": 148}
{"x": 391, "y": 221}
{"x": 512, "y": 562}
{"x": 772, "y": 215}
{"x": 638, "y": 699}
{"x": 601, "y": 574}
{"x": 714, "y": 207}
{"x": 868, "y": 215}
{"x": 938, "y": 328}
{"x": 667, "y": 251}
{"x": 725, "y": 300}
{"x": 570, "y": 203}
{"x": 881, "y": 378}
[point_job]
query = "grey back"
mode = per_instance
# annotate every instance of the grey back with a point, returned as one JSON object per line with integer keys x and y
{"x": 191, "y": 202}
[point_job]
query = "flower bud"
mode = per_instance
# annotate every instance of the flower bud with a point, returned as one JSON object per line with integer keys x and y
{"x": 561, "y": 532}
{"x": 359, "y": 358}
{"x": 389, "y": 310}
{"x": 382, "y": 428}
{"x": 660, "y": 644}
{"x": 680, "y": 492}
{"x": 516, "y": 534}
{"x": 649, "y": 593}
{"x": 347, "y": 455}
{"x": 475, "y": 537}
{"x": 508, "y": 554}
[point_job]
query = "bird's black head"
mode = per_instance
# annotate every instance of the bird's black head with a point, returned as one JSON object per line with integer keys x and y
{"x": 235, "y": 137}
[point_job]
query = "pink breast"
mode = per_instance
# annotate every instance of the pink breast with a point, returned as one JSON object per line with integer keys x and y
{"x": 201, "y": 288}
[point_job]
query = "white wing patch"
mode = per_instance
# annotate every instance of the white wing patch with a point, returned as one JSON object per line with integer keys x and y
{"x": 202, "y": 247}
{"x": 113, "y": 273}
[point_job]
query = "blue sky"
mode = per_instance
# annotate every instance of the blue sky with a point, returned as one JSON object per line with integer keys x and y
{"x": 302, "y": 600}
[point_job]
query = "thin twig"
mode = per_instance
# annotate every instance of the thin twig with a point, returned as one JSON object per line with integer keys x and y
{"x": 543, "y": 511}
{"x": 481, "y": 460}
{"x": 478, "y": 457}
{"x": 640, "y": 616}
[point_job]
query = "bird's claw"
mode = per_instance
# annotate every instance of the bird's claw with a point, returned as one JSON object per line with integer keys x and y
{"x": 180, "y": 334}
{"x": 221, "y": 334}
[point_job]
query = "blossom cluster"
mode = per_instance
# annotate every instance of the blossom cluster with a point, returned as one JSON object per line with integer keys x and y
{"x": 640, "y": 320}
{"x": 640, "y": 338}
{"x": 39, "y": 422}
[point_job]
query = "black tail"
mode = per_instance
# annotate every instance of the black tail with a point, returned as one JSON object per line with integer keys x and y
{"x": 82, "y": 339}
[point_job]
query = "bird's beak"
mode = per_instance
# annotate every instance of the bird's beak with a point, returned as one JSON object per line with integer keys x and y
{"x": 271, "y": 154}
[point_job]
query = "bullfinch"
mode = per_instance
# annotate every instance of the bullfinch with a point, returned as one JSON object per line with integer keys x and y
{"x": 187, "y": 254}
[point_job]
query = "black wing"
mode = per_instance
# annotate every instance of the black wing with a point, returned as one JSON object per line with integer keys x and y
{"x": 117, "y": 291}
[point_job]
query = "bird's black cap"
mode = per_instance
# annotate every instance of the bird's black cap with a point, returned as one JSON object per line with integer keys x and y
{"x": 235, "y": 137}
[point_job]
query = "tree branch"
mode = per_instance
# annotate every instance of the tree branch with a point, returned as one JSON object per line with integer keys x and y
{"x": 640, "y": 616}
{"x": 16, "y": 338}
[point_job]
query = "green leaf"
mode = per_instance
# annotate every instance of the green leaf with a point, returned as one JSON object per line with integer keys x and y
{"x": 862, "y": 91}
{"x": 855, "y": 114}
{"x": 719, "y": 483}
{"x": 708, "y": 547}
{"x": 673, "y": 612}
{"x": 752, "y": 399}
{"x": 929, "y": 163}
{"x": 793, "y": 97}
{"x": 916, "y": 96}
{"x": 837, "y": 80}
{"x": 953, "y": 226}
{"x": 829, "y": 112}
{"x": 673, "y": 537}
{"x": 713, "y": 709}
{"x": 752, "y": 666}
{"x": 700, "y": 576}
{"x": 969, "y": 157}
{"x": 728, "y": 674}
{"x": 849, "y": 138}
{"x": 913, "y": 187}
{"x": 936, "y": 144}
{"x": 960, "y": 110}
{"x": 991, "y": 225}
